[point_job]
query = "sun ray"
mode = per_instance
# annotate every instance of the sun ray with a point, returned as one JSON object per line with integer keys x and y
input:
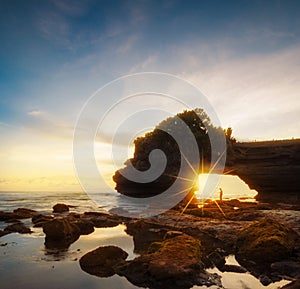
{"x": 220, "y": 208}
{"x": 185, "y": 179}
{"x": 183, "y": 190}
{"x": 185, "y": 207}
{"x": 228, "y": 172}
{"x": 202, "y": 161}
{"x": 196, "y": 174}
{"x": 217, "y": 161}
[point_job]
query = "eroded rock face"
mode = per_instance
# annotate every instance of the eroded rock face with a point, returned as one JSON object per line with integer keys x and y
{"x": 173, "y": 263}
{"x": 271, "y": 167}
{"x": 265, "y": 242}
{"x": 101, "y": 261}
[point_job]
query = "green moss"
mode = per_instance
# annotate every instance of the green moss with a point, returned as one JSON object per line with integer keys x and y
{"x": 176, "y": 249}
{"x": 266, "y": 241}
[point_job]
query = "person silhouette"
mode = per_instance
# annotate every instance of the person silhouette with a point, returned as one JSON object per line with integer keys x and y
{"x": 221, "y": 194}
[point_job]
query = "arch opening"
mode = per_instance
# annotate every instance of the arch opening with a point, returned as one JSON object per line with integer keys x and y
{"x": 232, "y": 187}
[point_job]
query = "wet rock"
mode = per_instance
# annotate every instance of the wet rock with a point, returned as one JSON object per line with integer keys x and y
{"x": 101, "y": 220}
{"x": 288, "y": 268}
{"x": 17, "y": 228}
{"x": 60, "y": 208}
{"x": 60, "y": 233}
{"x": 173, "y": 263}
{"x": 233, "y": 268}
{"x": 101, "y": 262}
{"x": 39, "y": 220}
{"x": 59, "y": 229}
{"x": 200, "y": 213}
{"x": 145, "y": 233}
{"x": 23, "y": 213}
{"x": 5, "y": 216}
{"x": 172, "y": 234}
{"x": 20, "y": 213}
{"x": 85, "y": 227}
{"x": 245, "y": 214}
{"x": 265, "y": 280}
{"x": 3, "y": 233}
{"x": 266, "y": 241}
{"x": 293, "y": 285}
{"x": 217, "y": 259}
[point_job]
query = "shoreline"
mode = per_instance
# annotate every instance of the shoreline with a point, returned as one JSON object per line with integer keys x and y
{"x": 217, "y": 231}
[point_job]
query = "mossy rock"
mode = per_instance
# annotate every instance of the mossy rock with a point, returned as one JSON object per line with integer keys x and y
{"x": 266, "y": 241}
{"x": 173, "y": 263}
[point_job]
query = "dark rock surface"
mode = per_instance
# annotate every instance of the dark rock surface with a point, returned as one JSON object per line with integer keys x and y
{"x": 39, "y": 220}
{"x": 145, "y": 233}
{"x": 266, "y": 241}
{"x": 173, "y": 263}
{"x": 85, "y": 227}
{"x": 17, "y": 228}
{"x": 17, "y": 214}
{"x": 271, "y": 167}
{"x": 293, "y": 285}
{"x": 60, "y": 208}
{"x": 101, "y": 261}
{"x": 60, "y": 233}
{"x": 102, "y": 220}
{"x": 3, "y": 233}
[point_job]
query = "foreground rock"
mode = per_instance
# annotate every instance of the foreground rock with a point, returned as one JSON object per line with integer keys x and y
{"x": 269, "y": 249}
{"x": 60, "y": 208}
{"x": 173, "y": 263}
{"x": 145, "y": 233}
{"x": 101, "y": 262}
{"x": 60, "y": 233}
{"x": 266, "y": 241}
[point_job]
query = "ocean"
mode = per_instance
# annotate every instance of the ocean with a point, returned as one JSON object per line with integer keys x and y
{"x": 232, "y": 186}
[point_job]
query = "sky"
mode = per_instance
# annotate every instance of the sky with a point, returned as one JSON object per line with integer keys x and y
{"x": 244, "y": 56}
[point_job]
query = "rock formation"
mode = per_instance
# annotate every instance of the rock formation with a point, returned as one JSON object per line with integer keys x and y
{"x": 271, "y": 167}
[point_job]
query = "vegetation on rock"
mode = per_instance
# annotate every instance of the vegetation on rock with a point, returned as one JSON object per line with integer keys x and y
{"x": 266, "y": 241}
{"x": 198, "y": 123}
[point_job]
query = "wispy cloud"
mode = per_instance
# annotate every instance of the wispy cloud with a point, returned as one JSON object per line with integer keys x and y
{"x": 73, "y": 7}
{"x": 49, "y": 125}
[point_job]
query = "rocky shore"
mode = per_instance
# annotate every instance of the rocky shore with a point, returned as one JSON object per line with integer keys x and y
{"x": 176, "y": 248}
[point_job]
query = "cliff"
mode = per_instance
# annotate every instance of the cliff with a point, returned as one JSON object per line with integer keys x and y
{"x": 270, "y": 167}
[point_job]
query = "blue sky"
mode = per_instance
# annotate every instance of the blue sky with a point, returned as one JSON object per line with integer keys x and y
{"x": 243, "y": 55}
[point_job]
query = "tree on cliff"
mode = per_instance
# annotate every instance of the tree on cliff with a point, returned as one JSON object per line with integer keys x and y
{"x": 198, "y": 123}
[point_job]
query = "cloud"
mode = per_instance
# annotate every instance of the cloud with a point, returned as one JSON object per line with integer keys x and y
{"x": 249, "y": 91}
{"x": 49, "y": 125}
{"x": 55, "y": 28}
{"x": 73, "y": 7}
